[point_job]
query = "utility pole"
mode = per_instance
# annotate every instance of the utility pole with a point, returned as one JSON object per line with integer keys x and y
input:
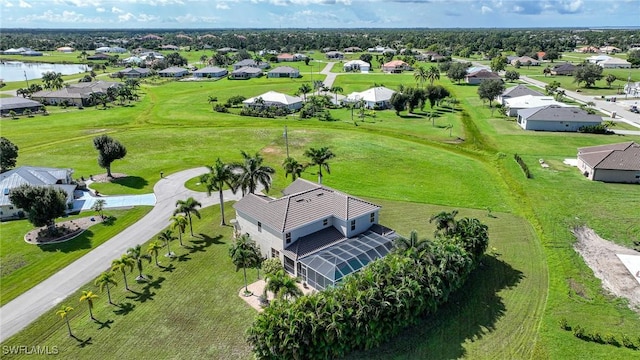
{"x": 27, "y": 80}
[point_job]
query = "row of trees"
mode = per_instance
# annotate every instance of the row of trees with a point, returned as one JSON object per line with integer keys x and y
{"x": 371, "y": 306}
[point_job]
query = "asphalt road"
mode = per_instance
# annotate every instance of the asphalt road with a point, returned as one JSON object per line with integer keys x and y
{"x": 20, "y": 312}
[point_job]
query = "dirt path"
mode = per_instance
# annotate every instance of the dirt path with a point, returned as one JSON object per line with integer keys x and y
{"x": 600, "y": 255}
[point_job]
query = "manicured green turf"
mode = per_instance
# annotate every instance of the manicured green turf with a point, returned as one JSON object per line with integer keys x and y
{"x": 26, "y": 265}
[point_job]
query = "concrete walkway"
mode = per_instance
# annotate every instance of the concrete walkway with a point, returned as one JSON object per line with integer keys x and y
{"x": 331, "y": 77}
{"x": 24, "y": 309}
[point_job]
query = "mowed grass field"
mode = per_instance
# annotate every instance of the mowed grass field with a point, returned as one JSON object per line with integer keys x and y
{"x": 512, "y": 305}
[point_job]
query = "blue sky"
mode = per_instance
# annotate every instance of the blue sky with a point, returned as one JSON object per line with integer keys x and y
{"x": 185, "y": 14}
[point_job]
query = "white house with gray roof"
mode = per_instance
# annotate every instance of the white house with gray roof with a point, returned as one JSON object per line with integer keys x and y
{"x": 517, "y": 91}
{"x": 514, "y": 104}
{"x": 274, "y": 98}
{"x": 619, "y": 163}
{"x": 556, "y": 118}
{"x": 35, "y": 176}
{"x": 310, "y": 224}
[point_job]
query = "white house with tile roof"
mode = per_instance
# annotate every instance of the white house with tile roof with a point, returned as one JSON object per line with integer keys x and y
{"x": 308, "y": 224}
{"x": 35, "y": 176}
{"x": 618, "y": 162}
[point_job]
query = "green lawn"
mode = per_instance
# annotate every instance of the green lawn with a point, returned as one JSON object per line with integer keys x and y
{"x": 26, "y": 265}
{"x": 510, "y": 309}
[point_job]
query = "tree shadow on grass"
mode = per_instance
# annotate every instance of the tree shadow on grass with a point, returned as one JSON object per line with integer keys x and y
{"x": 83, "y": 343}
{"x": 205, "y": 242}
{"x": 104, "y": 324}
{"x": 471, "y": 313}
{"x": 109, "y": 220}
{"x": 143, "y": 296}
{"x": 169, "y": 268}
{"x": 124, "y": 308}
{"x": 183, "y": 258}
{"x": 155, "y": 284}
{"x": 82, "y": 241}
{"x": 135, "y": 182}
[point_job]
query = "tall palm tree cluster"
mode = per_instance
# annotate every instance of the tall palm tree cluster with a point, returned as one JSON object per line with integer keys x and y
{"x": 377, "y": 302}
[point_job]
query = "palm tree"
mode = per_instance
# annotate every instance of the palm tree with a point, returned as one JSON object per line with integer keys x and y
{"x": 433, "y": 74}
{"x": 88, "y": 296}
{"x": 317, "y": 85}
{"x": 105, "y": 281}
{"x": 203, "y": 58}
{"x": 411, "y": 245}
{"x": 98, "y": 206}
{"x": 336, "y": 90}
{"x": 136, "y": 254}
{"x": 251, "y": 172}
{"x": 179, "y": 222}
{"x": 445, "y": 223}
{"x": 219, "y": 175}
{"x": 167, "y": 236}
{"x": 421, "y": 75}
{"x": 64, "y": 313}
{"x": 244, "y": 254}
{"x": 304, "y": 89}
{"x": 188, "y": 207}
{"x": 319, "y": 157}
{"x": 282, "y": 285}
{"x": 293, "y": 167}
{"x": 212, "y": 100}
{"x": 122, "y": 264}
{"x": 153, "y": 249}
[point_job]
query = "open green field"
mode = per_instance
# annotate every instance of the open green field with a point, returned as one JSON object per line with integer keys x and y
{"x": 510, "y": 308}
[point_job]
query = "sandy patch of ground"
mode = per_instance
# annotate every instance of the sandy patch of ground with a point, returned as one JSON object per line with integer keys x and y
{"x": 102, "y": 178}
{"x": 68, "y": 230}
{"x": 600, "y": 255}
{"x": 257, "y": 288}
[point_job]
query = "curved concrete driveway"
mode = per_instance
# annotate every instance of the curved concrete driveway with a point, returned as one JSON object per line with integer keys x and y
{"x": 24, "y": 309}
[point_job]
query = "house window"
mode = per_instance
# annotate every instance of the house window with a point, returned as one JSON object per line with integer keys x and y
{"x": 259, "y": 226}
{"x": 353, "y": 225}
{"x": 325, "y": 222}
{"x": 288, "y": 238}
{"x": 373, "y": 217}
{"x": 10, "y": 207}
{"x": 275, "y": 253}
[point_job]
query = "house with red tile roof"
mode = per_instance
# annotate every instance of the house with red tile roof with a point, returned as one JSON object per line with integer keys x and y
{"x": 395, "y": 67}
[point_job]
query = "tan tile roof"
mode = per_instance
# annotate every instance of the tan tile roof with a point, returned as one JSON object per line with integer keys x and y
{"x": 620, "y": 156}
{"x": 308, "y": 204}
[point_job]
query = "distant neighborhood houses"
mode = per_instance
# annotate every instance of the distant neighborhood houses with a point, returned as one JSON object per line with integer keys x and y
{"x": 78, "y": 94}
{"x": 284, "y": 72}
{"x": 481, "y": 75}
{"x": 22, "y": 51}
{"x": 619, "y": 163}
{"x": 18, "y": 105}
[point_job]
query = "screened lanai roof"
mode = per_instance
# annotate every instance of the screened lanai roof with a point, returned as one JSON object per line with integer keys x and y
{"x": 349, "y": 256}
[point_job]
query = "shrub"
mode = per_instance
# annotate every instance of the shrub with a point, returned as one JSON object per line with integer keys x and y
{"x": 578, "y": 332}
{"x": 271, "y": 266}
{"x": 626, "y": 342}
{"x": 595, "y": 129}
{"x": 523, "y": 166}
{"x": 564, "y": 325}
{"x": 610, "y": 339}
{"x": 221, "y": 108}
{"x": 596, "y": 337}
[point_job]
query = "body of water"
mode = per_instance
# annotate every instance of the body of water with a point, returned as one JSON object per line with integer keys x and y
{"x": 17, "y": 71}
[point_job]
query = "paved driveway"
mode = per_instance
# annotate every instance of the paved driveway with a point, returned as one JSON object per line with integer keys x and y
{"x": 24, "y": 309}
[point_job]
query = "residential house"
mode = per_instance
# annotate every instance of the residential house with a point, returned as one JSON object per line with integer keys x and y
{"x": 251, "y": 63}
{"x": 395, "y": 67}
{"x": 610, "y": 50}
{"x": 514, "y": 104}
{"x": 516, "y": 91}
{"x": 352, "y": 49}
{"x": 480, "y": 76}
{"x": 374, "y": 98}
{"x": 210, "y": 72}
{"x": 31, "y": 53}
{"x": 525, "y": 61}
{"x": 299, "y": 57}
{"x": 334, "y": 55}
{"x": 618, "y": 163}
{"x": 540, "y": 55}
{"x": 226, "y": 50}
{"x": 109, "y": 49}
{"x": 556, "y": 118}
{"x": 284, "y": 72}
{"x": 133, "y": 73}
{"x": 357, "y": 65}
{"x": 65, "y": 49}
{"x": 246, "y": 72}
{"x": 615, "y": 63}
{"x": 286, "y": 57}
{"x": 173, "y": 72}
{"x": 597, "y": 58}
{"x": 35, "y": 176}
{"x": 98, "y": 56}
{"x": 587, "y": 49}
{"x": 78, "y": 94}
{"x": 473, "y": 69}
{"x": 273, "y": 98}
{"x": 17, "y": 51}
{"x": 169, "y": 47}
{"x": 18, "y": 104}
{"x": 563, "y": 69}
{"x": 320, "y": 234}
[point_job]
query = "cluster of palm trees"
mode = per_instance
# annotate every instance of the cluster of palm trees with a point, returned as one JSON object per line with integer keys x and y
{"x": 245, "y": 254}
{"x": 124, "y": 92}
{"x": 377, "y": 302}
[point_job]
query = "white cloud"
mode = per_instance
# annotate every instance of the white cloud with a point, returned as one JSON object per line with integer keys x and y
{"x": 100, "y": 10}
{"x": 222, "y": 6}
{"x": 189, "y": 18}
{"x": 116, "y": 10}
{"x": 64, "y": 17}
{"x": 486, "y": 9}
{"x": 139, "y": 18}
{"x": 6, "y": 3}
{"x": 24, "y": 4}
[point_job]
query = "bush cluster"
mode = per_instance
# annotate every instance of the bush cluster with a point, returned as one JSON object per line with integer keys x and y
{"x": 523, "y": 166}
{"x": 372, "y": 305}
{"x": 581, "y": 333}
{"x": 264, "y": 112}
{"x": 595, "y": 129}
